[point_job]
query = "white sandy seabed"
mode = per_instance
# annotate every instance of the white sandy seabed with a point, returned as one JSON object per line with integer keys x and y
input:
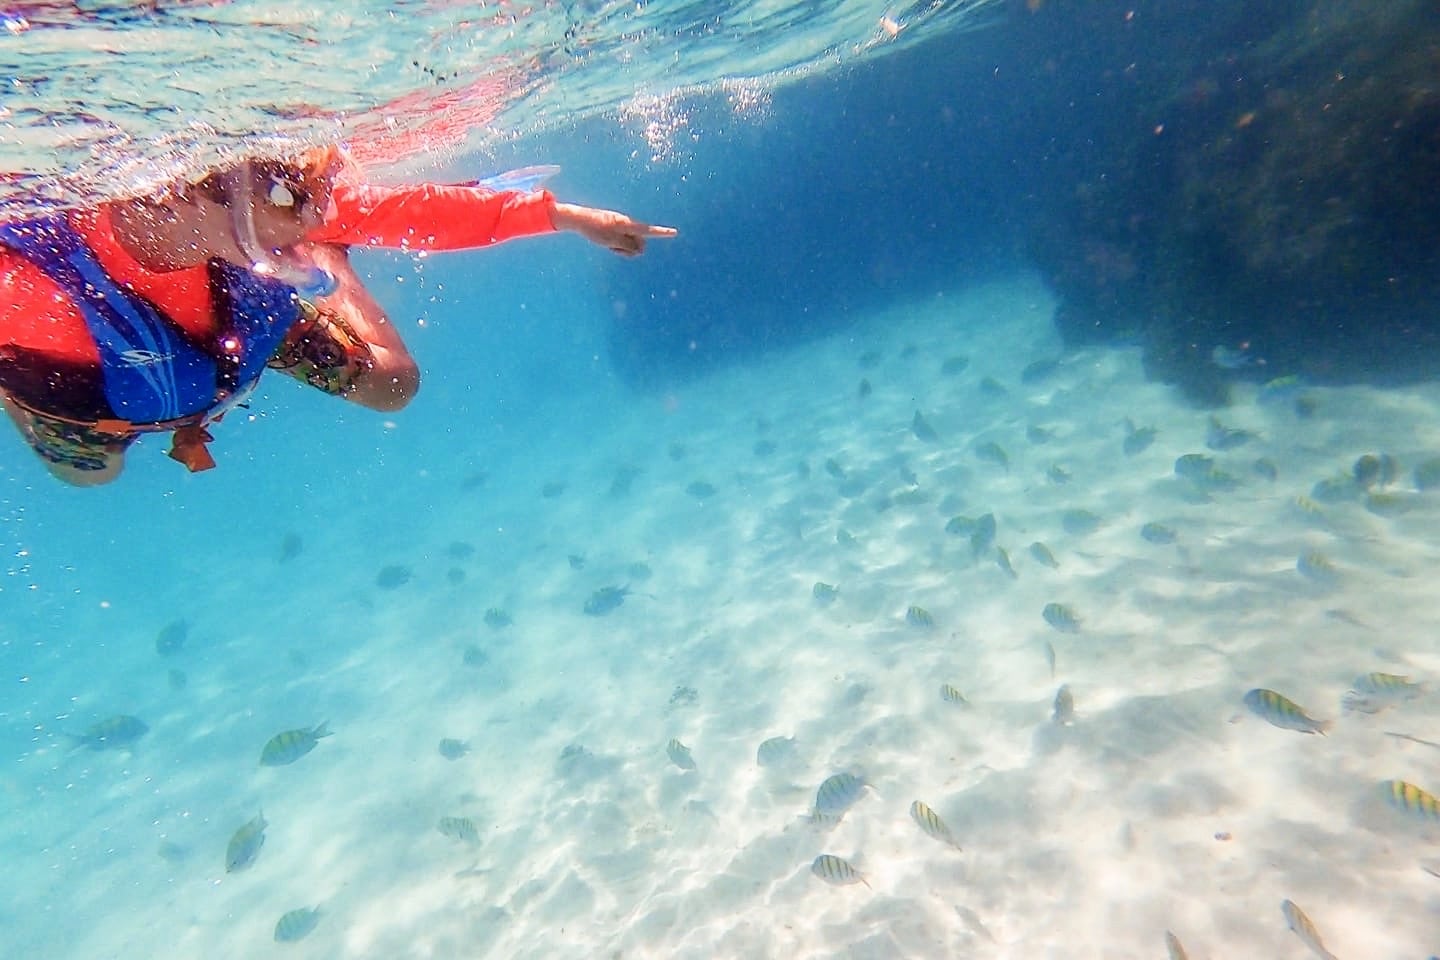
{"x": 1164, "y": 805}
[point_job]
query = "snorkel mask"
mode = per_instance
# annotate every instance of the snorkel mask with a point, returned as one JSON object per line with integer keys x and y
{"x": 289, "y": 265}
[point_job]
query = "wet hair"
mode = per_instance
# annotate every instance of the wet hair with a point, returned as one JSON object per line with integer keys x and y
{"x": 218, "y": 185}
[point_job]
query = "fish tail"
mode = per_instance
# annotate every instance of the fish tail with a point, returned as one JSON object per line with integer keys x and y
{"x": 322, "y": 729}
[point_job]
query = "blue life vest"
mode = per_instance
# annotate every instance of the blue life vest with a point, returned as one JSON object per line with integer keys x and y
{"x": 153, "y": 371}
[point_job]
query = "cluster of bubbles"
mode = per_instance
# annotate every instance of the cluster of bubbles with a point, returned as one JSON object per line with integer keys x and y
{"x": 664, "y": 122}
{"x": 749, "y": 99}
{"x": 660, "y": 120}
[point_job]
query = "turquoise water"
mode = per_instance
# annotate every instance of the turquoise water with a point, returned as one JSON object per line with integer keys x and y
{"x": 774, "y": 440}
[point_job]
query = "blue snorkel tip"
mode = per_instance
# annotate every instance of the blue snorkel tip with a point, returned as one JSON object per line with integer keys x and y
{"x": 308, "y": 280}
{"x": 320, "y": 284}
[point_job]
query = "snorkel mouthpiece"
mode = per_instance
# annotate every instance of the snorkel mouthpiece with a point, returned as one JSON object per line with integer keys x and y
{"x": 288, "y": 265}
{"x": 295, "y": 271}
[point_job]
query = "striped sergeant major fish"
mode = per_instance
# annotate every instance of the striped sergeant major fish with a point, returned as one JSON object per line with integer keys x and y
{"x": 930, "y": 823}
{"x": 951, "y": 694}
{"x": 245, "y": 844}
{"x": 1063, "y": 713}
{"x": 836, "y": 871}
{"x": 1280, "y": 711}
{"x": 1411, "y": 800}
{"x": 1373, "y": 692}
{"x": 290, "y": 745}
{"x": 296, "y": 925}
{"x": 838, "y": 793}
{"x": 679, "y": 754}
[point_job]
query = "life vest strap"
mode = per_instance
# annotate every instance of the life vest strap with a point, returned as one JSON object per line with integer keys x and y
{"x": 187, "y": 445}
{"x": 111, "y": 425}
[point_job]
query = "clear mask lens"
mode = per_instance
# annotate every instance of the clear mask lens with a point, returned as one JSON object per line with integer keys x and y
{"x": 288, "y": 264}
{"x": 280, "y": 195}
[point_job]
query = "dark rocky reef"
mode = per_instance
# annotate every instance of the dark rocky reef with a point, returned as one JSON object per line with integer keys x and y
{"x": 1273, "y": 180}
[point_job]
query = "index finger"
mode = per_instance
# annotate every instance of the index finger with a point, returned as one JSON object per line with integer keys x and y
{"x": 655, "y": 231}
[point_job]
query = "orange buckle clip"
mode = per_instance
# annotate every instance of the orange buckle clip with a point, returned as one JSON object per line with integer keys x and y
{"x": 188, "y": 447}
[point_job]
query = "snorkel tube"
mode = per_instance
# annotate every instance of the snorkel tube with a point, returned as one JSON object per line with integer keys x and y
{"x": 289, "y": 265}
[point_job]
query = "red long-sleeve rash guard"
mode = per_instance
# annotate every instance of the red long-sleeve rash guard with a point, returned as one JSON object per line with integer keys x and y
{"x": 37, "y": 317}
{"x": 431, "y": 216}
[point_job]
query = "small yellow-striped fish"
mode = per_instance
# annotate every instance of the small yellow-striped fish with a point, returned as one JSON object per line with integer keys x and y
{"x": 1061, "y": 617}
{"x": 113, "y": 733}
{"x": 1137, "y": 439}
{"x": 1410, "y": 799}
{"x": 838, "y": 793}
{"x": 1307, "y": 509}
{"x": 290, "y": 745}
{"x": 1158, "y": 534}
{"x": 1315, "y": 566}
{"x": 836, "y": 870}
{"x": 951, "y": 695}
{"x": 245, "y": 844}
{"x": 919, "y": 617}
{"x": 992, "y": 452}
{"x": 1304, "y": 929}
{"x": 1280, "y": 711}
{"x": 1389, "y": 503}
{"x": 1002, "y": 560}
{"x": 929, "y": 821}
{"x": 1172, "y": 946}
{"x": 296, "y": 925}
{"x": 1064, "y": 707}
{"x": 679, "y": 754}
{"x": 459, "y": 828}
{"x": 1374, "y": 692}
{"x": 775, "y": 751}
{"x": 1042, "y": 555}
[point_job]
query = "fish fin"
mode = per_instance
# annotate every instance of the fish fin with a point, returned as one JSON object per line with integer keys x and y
{"x": 322, "y": 730}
